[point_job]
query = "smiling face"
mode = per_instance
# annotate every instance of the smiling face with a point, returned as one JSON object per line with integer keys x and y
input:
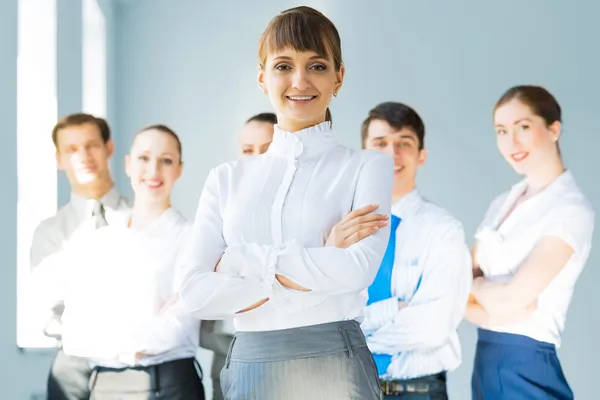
{"x": 524, "y": 139}
{"x": 153, "y": 165}
{"x": 300, "y": 66}
{"x": 83, "y": 154}
{"x": 300, "y": 86}
{"x": 403, "y": 146}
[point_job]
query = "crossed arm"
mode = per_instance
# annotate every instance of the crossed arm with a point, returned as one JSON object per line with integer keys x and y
{"x": 327, "y": 270}
{"x": 500, "y": 303}
{"x": 392, "y": 326}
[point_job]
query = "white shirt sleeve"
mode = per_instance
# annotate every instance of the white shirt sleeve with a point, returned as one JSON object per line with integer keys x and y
{"x": 163, "y": 332}
{"x": 377, "y": 314}
{"x": 573, "y": 223}
{"x": 215, "y": 295}
{"x": 327, "y": 270}
{"x": 436, "y": 309}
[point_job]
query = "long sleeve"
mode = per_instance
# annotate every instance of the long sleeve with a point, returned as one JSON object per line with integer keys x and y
{"x": 436, "y": 309}
{"x": 377, "y": 314}
{"x": 330, "y": 270}
{"x": 215, "y": 295}
{"x": 164, "y": 332}
{"x": 167, "y": 330}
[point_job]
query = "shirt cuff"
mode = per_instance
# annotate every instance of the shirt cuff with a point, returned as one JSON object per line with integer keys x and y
{"x": 292, "y": 301}
{"x": 251, "y": 261}
{"x": 381, "y": 312}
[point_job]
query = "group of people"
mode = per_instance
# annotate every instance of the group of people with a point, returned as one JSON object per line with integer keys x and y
{"x": 311, "y": 270}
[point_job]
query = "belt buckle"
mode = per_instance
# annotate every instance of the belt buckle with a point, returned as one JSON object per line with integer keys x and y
{"x": 385, "y": 387}
{"x": 391, "y": 388}
{"x": 417, "y": 387}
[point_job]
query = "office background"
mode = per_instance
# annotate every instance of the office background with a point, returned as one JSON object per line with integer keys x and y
{"x": 191, "y": 64}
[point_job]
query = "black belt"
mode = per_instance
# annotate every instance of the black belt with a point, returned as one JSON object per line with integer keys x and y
{"x": 168, "y": 371}
{"x": 426, "y": 384}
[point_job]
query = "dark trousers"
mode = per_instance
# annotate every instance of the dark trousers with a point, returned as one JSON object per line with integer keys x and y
{"x": 69, "y": 378}
{"x": 173, "y": 380}
{"x": 510, "y": 366}
{"x": 430, "y": 387}
{"x": 219, "y": 343}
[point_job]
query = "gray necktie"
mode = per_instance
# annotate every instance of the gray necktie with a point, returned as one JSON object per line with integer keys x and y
{"x": 98, "y": 214}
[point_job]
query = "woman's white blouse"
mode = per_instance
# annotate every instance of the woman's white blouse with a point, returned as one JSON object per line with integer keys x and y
{"x": 560, "y": 210}
{"x": 119, "y": 279}
{"x": 271, "y": 214}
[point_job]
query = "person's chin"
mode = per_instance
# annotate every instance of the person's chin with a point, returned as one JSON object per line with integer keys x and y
{"x": 87, "y": 178}
{"x": 152, "y": 194}
{"x": 519, "y": 168}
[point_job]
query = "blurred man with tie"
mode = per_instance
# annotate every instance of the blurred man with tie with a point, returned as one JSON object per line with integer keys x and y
{"x": 83, "y": 150}
{"x": 418, "y": 297}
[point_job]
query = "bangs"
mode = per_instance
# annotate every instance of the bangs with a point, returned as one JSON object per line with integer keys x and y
{"x": 300, "y": 32}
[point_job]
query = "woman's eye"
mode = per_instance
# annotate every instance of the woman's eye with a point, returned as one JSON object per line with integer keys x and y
{"x": 318, "y": 67}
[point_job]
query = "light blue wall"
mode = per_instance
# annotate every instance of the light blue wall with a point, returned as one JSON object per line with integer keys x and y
{"x": 191, "y": 64}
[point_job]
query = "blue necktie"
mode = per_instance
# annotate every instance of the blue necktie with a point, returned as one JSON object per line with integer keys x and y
{"x": 381, "y": 288}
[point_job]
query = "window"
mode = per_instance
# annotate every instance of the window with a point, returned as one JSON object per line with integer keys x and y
{"x": 94, "y": 59}
{"x": 36, "y": 165}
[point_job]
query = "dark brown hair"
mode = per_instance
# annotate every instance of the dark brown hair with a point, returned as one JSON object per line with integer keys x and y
{"x": 398, "y": 116}
{"x": 302, "y": 29}
{"x": 263, "y": 117}
{"x": 541, "y": 102}
{"x": 81, "y": 119}
{"x": 164, "y": 129}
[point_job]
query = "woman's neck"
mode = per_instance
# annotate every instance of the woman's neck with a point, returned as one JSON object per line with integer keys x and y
{"x": 543, "y": 176}
{"x": 144, "y": 214}
{"x": 292, "y": 126}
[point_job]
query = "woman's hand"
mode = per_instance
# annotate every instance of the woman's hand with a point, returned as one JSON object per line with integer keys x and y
{"x": 285, "y": 282}
{"x": 253, "y": 306}
{"x": 357, "y": 225}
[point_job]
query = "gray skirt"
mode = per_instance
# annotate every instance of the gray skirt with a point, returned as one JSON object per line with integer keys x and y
{"x": 329, "y": 362}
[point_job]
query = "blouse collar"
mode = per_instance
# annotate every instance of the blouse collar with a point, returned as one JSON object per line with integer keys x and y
{"x": 303, "y": 143}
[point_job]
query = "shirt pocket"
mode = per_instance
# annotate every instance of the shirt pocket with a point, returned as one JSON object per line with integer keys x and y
{"x": 408, "y": 273}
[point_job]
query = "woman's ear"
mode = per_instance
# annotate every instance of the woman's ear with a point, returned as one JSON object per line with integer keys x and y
{"x": 260, "y": 79}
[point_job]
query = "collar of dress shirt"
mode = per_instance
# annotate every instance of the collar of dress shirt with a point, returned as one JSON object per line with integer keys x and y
{"x": 84, "y": 206}
{"x": 306, "y": 142}
{"x": 406, "y": 202}
{"x": 554, "y": 189}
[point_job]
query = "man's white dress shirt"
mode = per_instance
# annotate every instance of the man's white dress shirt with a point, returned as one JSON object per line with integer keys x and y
{"x": 432, "y": 274}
